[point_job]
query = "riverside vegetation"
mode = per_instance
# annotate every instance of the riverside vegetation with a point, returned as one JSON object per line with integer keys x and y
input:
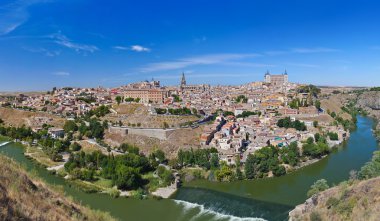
{"x": 358, "y": 197}
{"x": 25, "y": 197}
{"x": 355, "y": 199}
{"x": 132, "y": 171}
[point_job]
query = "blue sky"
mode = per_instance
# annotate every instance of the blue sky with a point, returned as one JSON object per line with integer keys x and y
{"x": 86, "y": 43}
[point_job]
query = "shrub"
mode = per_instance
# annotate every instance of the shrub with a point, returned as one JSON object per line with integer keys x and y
{"x": 75, "y": 146}
{"x": 314, "y": 216}
{"x": 332, "y": 202}
{"x": 318, "y": 186}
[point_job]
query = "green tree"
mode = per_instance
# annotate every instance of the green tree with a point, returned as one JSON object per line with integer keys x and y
{"x": 70, "y": 126}
{"x": 372, "y": 168}
{"x": 127, "y": 178}
{"x": 333, "y": 136}
{"x": 118, "y": 100}
{"x": 165, "y": 175}
{"x": 318, "y": 186}
{"x": 214, "y": 161}
{"x": 317, "y": 137}
{"x": 279, "y": 170}
{"x": 318, "y": 104}
{"x": 75, "y": 146}
{"x": 249, "y": 167}
{"x": 315, "y": 123}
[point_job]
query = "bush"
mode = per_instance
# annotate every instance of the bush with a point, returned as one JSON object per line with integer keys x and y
{"x": 279, "y": 171}
{"x": 345, "y": 207}
{"x": 332, "y": 202}
{"x": 333, "y": 136}
{"x": 318, "y": 186}
{"x": 372, "y": 168}
{"x": 75, "y": 146}
{"x": 314, "y": 216}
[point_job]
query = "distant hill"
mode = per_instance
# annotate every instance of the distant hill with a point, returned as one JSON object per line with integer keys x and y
{"x": 24, "y": 198}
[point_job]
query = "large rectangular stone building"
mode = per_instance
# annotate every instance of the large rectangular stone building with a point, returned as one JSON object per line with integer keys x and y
{"x": 276, "y": 80}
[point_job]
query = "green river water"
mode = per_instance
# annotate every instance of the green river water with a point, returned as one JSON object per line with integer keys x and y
{"x": 265, "y": 199}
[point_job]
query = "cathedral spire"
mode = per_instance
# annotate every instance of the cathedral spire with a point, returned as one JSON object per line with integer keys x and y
{"x": 183, "y": 80}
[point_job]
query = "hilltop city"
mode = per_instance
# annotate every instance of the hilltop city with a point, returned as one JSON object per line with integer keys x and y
{"x": 236, "y": 120}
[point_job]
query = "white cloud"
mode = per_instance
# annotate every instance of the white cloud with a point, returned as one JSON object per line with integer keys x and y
{"x": 122, "y": 48}
{"x": 139, "y": 48}
{"x": 66, "y": 42}
{"x": 61, "y": 73}
{"x": 14, "y": 14}
{"x": 198, "y": 60}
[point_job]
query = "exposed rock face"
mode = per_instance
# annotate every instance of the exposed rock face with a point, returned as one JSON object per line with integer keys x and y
{"x": 370, "y": 100}
{"x": 360, "y": 201}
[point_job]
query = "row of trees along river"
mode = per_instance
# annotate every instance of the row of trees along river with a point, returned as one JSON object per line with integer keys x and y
{"x": 261, "y": 199}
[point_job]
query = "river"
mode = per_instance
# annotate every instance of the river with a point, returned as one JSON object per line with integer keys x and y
{"x": 265, "y": 199}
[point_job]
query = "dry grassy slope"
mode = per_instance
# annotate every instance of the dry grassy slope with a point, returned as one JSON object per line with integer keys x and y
{"x": 181, "y": 138}
{"x": 127, "y": 108}
{"x": 20, "y": 117}
{"x": 334, "y": 104}
{"x": 360, "y": 201}
{"x": 138, "y": 113}
{"x": 23, "y": 198}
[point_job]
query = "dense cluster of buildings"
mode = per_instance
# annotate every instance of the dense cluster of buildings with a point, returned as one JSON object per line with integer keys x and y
{"x": 233, "y": 134}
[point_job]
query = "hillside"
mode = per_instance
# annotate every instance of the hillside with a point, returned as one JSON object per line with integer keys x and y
{"x": 24, "y": 198}
{"x": 359, "y": 201}
{"x": 181, "y": 138}
{"x": 370, "y": 102}
{"x": 334, "y": 103}
{"x": 21, "y": 117}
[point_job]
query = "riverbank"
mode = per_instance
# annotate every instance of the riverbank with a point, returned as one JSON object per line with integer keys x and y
{"x": 269, "y": 198}
{"x": 37, "y": 200}
{"x": 354, "y": 199}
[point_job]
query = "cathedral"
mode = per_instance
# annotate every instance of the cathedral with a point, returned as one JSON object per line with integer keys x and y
{"x": 196, "y": 87}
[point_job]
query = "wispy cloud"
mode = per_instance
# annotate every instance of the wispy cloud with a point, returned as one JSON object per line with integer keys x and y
{"x": 14, "y": 14}
{"x": 137, "y": 48}
{"x": 122, "y": 48}
{"x": 313, "y": 50}
{"x": 302, "y": 65}
{"x": 215, "y": 75}
{"x": 247, "y": 64}
{"x": 190, "y": 61}
{"x": 301, "y": 51}
{"x": 44, "y": 51}
{"x": 199, "y": 40}
{"x": 61, "y": 73}
{"x": 62, "y": 40}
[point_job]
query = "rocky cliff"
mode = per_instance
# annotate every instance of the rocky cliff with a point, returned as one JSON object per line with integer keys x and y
{"x": 370, "y": 99}
{"x": 356, "y": 201}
